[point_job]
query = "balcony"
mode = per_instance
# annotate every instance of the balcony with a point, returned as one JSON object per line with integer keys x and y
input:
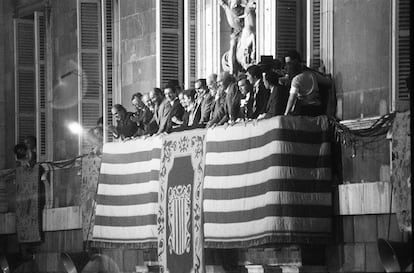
{"x": 251, "y": 194}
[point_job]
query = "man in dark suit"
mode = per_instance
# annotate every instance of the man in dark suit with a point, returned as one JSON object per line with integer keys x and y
{"x": 233, "y": 97}
{"x": 151, "y": 127}
{"x": 204, "y": 100}
{"x": 125, "y": 128}
{"x": 142, "y": 115}
{"x": 246, "y": 102}
{"x": 218, "y": 110}
{"x": 162, "y": 109}
{"x": 176, "y": 111}
{"x": 260, "y": 93}
{"x": 230, "y": 111}
{"x": 279, "y": 95}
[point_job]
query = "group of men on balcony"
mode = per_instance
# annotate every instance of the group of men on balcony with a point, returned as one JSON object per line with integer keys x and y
{"x": 262, "y": 91}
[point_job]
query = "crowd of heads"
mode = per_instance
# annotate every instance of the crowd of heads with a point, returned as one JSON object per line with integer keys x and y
{"x": 218, "y": 99}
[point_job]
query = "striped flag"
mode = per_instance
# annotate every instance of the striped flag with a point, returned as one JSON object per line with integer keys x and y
{"x": 127, "y": 197}
{"x": 268, "y": 182}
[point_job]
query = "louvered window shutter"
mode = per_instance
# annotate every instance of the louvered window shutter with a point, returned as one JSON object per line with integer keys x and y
{"x": 90, "y": 67}
{"x": 40, "y": 72}
{"x": 25, "y": 94}
{"x": 286, "y": 26}
{"x": 403, "y": 54}
{"x": 314, "y": 45}
{"x": 170, "y": 41}
{"x": 107, "y": 15}
{"x": 190, "y": 47}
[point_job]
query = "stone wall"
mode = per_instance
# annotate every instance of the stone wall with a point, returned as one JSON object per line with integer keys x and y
{"x": 362, "y": 72}
{"x": 362, "y": 63}
{"x": 137, "y": 48}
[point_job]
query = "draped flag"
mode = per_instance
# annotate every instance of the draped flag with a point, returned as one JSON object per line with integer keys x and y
{"x": 127, "y": 196}
{"x": 401, "y": 170}
{"x": 268, "y": 182}
{"x": 180, "y": 238}
{"x": 28, "y": 204}
{"x": 89, "y": 184}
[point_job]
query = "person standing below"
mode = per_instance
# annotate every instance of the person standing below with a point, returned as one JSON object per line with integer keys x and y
{"x": 125, "y": 127}
{"x": 205, "y": 101}
{"x": 304, "y": 95}
{"x": 260, "y": 93}
{"x": 278, "y": 95}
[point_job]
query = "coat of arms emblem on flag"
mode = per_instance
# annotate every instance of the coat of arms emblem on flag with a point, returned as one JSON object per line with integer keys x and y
{"x": 180, "y": 238}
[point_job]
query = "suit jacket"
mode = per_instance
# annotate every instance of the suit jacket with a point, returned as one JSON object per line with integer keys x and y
{"x": 277, "y": 101}
{"x": 126, "y": 127}
{"x": 232, "y": 106}
{"x": 246, "y": 111}
{"x": 163, "y": 113}
{"x": 205, "y": 108}
{"x": 261, "y": 97}
{"x": 144, "y": 117}
{"x": 218, "y": 110}
{"x": 177, "y": 110}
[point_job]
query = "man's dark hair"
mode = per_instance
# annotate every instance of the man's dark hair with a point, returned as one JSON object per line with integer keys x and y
{"x": 137, "y": 95}
{"x": 294, "y": 55}
{"x": 277, "y": 64}
{"x": 241, "y": 76}
{"x": 20, "y": 151}
{"x": 30, "y": 139}
{"x": 255, "y": 71}
{"x": 173, "y": 89}
{"x": 120, "y": 107}
{"x": 272, "y": 77}
{"x": 157, "y": 91}
{"x": 191, "y": 93}
{"x": 173, "y": 84}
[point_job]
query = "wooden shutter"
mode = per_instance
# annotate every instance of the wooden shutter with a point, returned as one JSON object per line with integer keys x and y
{"x": 170, "y": 33}
{"x": 107, "y": 15}
{"x": 41, "y": 98}
{"x": 286, "y": 26}
{"x": 314, "y": 34}
{"x": 190, "y": 47}
{"x": 89, "y": 66}
{"x": 403, "y": 54}
{"x": 25, "y": 95}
